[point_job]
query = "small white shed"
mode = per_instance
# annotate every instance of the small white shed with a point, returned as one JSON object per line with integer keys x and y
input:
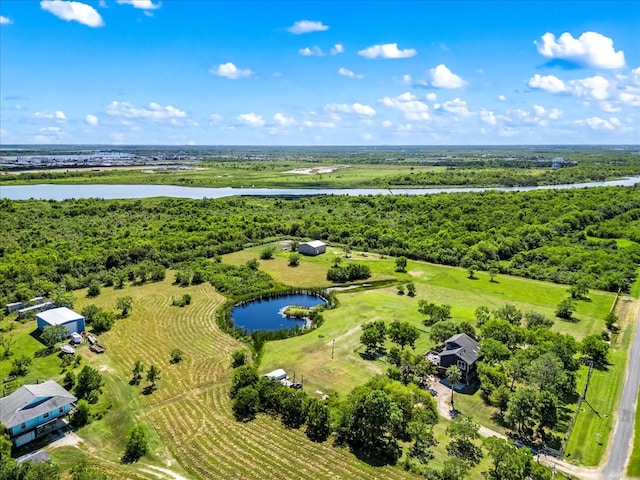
{"x": 278, "y": 374}
{"x": 315, "y": 247}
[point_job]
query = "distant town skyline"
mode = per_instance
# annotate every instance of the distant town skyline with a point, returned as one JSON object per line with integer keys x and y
{"x": 319, "y": 73}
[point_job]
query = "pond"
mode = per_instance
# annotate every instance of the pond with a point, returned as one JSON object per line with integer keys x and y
{"x": 267, "y": 314}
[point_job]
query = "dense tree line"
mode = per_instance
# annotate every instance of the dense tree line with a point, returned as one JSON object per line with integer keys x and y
{"x": 547, "y": 235}
{"x": 524, "y": 174}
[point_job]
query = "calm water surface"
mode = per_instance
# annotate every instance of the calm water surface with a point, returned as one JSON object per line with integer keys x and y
{"x": 266, "y": 314}
{"x": 65, "y": 192}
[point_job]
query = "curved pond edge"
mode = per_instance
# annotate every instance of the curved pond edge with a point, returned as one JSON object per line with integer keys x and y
{"x": 257, "y": 338}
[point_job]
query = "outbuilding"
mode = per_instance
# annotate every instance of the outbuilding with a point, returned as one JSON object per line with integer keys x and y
{"x": 72, "y": 321}
{"x": 278, "y": 374}
{"x": 315, "y": 247}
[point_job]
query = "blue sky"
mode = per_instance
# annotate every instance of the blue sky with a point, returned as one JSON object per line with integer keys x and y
{"x": 319, "y": 73}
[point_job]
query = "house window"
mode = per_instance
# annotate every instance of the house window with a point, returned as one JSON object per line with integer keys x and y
{"x": 462, "y": 365}
{"x": 61, "y": 409}
{"x": 45, "y": 415}
{"x": 23, "y": 426}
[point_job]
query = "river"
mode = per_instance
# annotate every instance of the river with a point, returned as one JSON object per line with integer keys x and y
{"x": 65, "y": 192}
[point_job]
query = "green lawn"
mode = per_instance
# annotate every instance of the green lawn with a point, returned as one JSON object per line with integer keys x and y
{"x": 591, "y": 432}
{"x": 310, "y": 355}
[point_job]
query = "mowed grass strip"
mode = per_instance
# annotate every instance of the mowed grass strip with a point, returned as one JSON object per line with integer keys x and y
{"x": 592, "y": 431}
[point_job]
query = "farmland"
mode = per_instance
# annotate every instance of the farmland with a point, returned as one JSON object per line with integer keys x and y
{"x": 190, "y": 412}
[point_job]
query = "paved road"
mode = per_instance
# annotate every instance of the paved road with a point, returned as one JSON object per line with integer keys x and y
{"x": 623, "y": 432}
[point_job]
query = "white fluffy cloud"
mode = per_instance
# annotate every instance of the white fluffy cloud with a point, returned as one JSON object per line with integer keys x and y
{"x": 251, "y": 119}
{"x": 591, "y": 49}
{"x": 345, "y": 72}
{"x": 73, "y": 11}
{"x": 91, "y": 120}
{"x": 357, "y": 108}
{"x": 548, "y": 83}
{"x": 488, "y": 117}
{"x": 456, "y": 106}
{"x": 502, "y": 98}
{"x": 283, "y": 121}
{"x": 141, "y": 4}
{"x": 442, "y": 77}
{"x": 153, "y": 112}
{"x": 311, "y": 51}
{"x": 337, "y": 48}
{"x": 388, "y": 50}
{"x": 59, "y": 116}
{"x": 307, "y": 26}
{"x": 230, "y": 71}
{"x": 5, "y": 20}
{"x": 591, "y": 88}
{"x": 552, "y": 113}
{"x": 597, "y": 123}
{"x": 408, "y": 103}
{"x": 318, "y": 124}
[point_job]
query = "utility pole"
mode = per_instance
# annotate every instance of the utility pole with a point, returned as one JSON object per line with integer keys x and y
{"x": 333, "y": 344}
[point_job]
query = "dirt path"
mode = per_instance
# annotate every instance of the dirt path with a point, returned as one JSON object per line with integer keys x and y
{"x": 442, "y": 395}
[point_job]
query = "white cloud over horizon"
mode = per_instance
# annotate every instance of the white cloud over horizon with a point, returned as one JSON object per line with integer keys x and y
{"x": 387, "y": 50}
{"x": 409, "y": 105}
{"x": 311, "y": 51}
{"x": 230, "y": 71}
{"x": 91, "y": 120}
{"x": 251, "y": 119}
{"x": 5, "y": 20}
{"x": 357, "y": 108}
{"x": 141, "y": 4}
{"x": 345, "y": 72}
{"x": 591, "y": 49}
{"x": 442, "y": 77}
{"x": 307, "y": 26}
{"x": 283, "y": 120}
{"x": 154, "y": 111}
{"x": 73, "y": 11}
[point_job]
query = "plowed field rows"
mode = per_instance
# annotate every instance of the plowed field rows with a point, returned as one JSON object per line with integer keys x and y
{"x": 191, "y": 410}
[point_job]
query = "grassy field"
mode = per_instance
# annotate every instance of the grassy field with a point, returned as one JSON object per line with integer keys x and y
{"x": 311, "y": 355}
{"x": 237, "y": 175}
{"x": 192, "y": 430}
{"x": 591, "y": 432}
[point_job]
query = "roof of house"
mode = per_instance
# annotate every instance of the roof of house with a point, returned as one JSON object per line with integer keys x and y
{"x": 31, "y": 401}
{"x": 468, "y": 350}
{"x": 315, "y": 243}
{"x": 277, "y": 374}
{"x": 59, "y": 316}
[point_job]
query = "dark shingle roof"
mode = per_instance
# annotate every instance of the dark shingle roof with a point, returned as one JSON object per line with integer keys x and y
{"x": 31, "y": 401}
{"x": 468, "y": 350}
